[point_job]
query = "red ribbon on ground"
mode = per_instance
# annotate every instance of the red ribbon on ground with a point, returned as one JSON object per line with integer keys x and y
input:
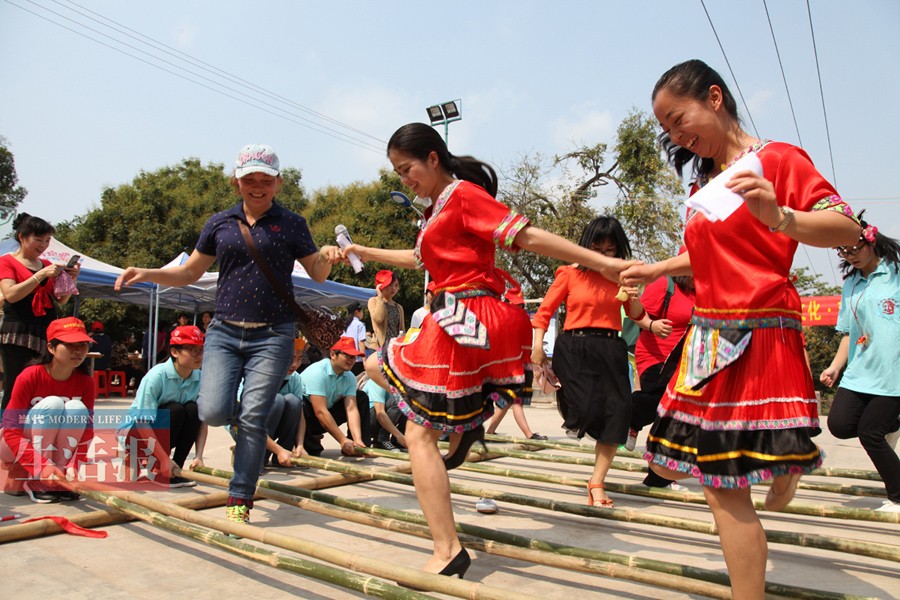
{"x": 70, "y": 527}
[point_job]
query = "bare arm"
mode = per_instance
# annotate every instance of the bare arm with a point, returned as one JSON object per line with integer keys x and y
{"x": 353, "y": 421}
{"x": 192, "y": 269}
{"x": 200, "y": 445}
{"x": 677, "y": 265}
{"x": 549, "y": 244}
{"x": 13, "y": 292}
{"x": 318, "y": 265}
{"x": 405, "y": 259}
{"x": 320, "y": 408}
{"x": 385, "y": 421}
{"x": 830, "y": 375}
{"x": 819, "y": 228}
{"x": 538, "y": 356}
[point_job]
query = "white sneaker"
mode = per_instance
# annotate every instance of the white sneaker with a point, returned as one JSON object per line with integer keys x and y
{"x": 486, "y": 506}
{"x": 889, "y": 507}
{"x": 632, "y": 440}
{"x": 676, "y": 487}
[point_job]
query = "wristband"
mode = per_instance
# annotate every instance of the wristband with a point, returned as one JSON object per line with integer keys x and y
{"x": 650, "y": 328}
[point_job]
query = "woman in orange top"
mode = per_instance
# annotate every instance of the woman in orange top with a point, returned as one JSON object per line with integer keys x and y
{"x": 590, "y": 357}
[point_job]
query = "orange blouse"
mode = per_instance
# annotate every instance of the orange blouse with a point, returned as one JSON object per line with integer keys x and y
{"x": 590, "y": 300}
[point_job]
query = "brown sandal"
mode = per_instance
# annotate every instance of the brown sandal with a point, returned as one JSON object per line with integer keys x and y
{"x": 602, "y": 502}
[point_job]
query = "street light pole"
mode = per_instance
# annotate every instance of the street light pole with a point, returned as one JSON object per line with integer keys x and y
{"x": 444, "y": 114}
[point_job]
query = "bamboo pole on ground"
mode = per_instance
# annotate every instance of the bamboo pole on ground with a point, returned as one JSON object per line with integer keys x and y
{"x": 589, "y": 449}
{"x": 499, "y": 542}
{"x": 831, "y": 512}
{"x": 494, "y": 452}
{"x": 178, "y": 519}
{"x": 137, "y": 508}
{"x": 102, "y": 518}
{"x": 871, "y": 549}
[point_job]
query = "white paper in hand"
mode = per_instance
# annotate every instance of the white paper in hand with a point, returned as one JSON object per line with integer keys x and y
{"x": 715, "y": 200}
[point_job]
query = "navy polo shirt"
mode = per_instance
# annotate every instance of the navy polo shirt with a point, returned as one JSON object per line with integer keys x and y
{"x": 244, "y": 293}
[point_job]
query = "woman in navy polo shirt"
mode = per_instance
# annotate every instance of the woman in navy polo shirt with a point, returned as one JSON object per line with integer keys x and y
{"x": 252, "y": 331}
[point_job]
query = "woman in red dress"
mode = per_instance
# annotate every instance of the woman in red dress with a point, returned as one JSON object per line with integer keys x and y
{"x": 741, "y": 409}
{"x": 473, "y": 350}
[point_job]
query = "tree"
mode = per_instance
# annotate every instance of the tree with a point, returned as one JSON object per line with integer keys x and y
{"x": 822, "y": 340}
{"x": 646, "y": 197}
{"x": 374, "y": 220}
{"x": 151, "y": 220}
{"x": 11, "y": 194}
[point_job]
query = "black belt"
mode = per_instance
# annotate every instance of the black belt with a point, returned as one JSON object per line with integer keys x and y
{"x": 593, "y": 332}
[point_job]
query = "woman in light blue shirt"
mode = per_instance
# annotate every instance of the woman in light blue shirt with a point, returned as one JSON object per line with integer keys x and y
{"x": 867, "y": 403}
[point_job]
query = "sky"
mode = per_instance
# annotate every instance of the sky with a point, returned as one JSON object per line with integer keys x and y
{"x": 95, "y": 92}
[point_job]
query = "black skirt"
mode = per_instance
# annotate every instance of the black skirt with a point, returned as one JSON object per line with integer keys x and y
{"x": 595, "y": 398}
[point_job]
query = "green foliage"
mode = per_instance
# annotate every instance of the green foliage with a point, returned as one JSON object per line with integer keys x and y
{"x": 11, "y": 194}
{"x": 822, "y": 341}
{"x": 372, "y": 219}
{"x": 647, "y": 190}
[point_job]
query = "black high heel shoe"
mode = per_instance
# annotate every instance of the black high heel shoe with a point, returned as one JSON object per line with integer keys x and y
{"x": 457, "y": 566}
{"x": 462, "y": 450}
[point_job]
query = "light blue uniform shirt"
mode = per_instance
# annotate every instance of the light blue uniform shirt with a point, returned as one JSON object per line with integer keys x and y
{"x": 376, "y": 393}
{"x": 871, "y": 307}
{"x": 319, "y": 379}
{"x": 162, "y": 384}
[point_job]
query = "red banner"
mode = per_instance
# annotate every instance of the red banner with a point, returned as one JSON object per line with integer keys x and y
{"x": 820, "y": 310}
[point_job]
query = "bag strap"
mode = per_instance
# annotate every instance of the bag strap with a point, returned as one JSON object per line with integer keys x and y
{"x": 270, "y": 276}
{"x": 670, "y": 291}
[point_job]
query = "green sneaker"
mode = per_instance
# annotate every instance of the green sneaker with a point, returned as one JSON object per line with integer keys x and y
{"x": 238, "y": 513}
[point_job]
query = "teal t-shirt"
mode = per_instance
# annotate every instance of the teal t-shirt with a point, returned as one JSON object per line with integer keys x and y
{"x": 319, "y": 379}
{"x": 870, "y": 307}
{"x": 376, "y": 393}
{"x": 162, "y": 384}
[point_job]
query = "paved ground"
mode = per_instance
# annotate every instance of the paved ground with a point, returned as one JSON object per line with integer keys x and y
{"x": 138, "y": 560}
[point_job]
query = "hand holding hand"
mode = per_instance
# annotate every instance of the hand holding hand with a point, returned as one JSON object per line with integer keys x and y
{"x": 638, "y": 273}
{"x": 331, "y": 254}
{"x": 830, "y": 376}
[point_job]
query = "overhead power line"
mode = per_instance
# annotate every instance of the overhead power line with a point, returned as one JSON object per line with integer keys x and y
{"x": 730, "y": 70}
{"x": 783, "y": 77}
{"x": 245, "y": 94}
{"x": 821, "y": 93}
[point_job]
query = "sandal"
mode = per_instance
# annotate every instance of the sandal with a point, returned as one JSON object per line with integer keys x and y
{"x": 602, "y": 502}
{"x": 776, "y": 501}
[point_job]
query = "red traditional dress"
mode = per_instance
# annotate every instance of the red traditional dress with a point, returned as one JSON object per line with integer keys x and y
{"x": 742, "y": 408}
{"x": 473, "y": 350}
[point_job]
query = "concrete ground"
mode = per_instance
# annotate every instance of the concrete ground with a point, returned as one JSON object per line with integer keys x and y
{"x": 138, "y": 560}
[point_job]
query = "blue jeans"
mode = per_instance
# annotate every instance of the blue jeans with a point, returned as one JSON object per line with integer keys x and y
{"x": 260, "y": 356}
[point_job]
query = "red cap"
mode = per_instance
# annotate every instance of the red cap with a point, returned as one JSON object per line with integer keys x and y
{"x": 431, "y": 287}
{"x": 97, "y": 326}
{"x": 186, "y": 335}
{"x": 347, "y": 345}
{"x": 69, "y": 330}
{"x": 383, "y": 278}
{"x": 299, "y": 344}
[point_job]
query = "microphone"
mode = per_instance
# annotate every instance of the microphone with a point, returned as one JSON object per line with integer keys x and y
{"x": 343, "y": 240}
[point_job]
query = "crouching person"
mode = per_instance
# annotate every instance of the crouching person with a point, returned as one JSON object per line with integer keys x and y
{"x": 331, "y": 400}
{"x": 386, "y": 420}
{"x": 170, "y": 388}
{"x": 47, "y": 424}
{"x": 284, "y": 429}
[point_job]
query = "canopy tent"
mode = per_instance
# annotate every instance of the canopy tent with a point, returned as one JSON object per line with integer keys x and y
{"x": 200, "y": 296}
{"x": 96, "y": 278}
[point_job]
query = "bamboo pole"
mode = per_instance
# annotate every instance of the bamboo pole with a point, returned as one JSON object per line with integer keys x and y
{"x": 831, "y": 512}
{"x": 871, "y": 549}
{"x": 589, "y": 449}
{"x": 498, "y": 542}
{"x": 166, "y": 512}
{"x": 136, "y": 507}
{"x": 103, "y": 518}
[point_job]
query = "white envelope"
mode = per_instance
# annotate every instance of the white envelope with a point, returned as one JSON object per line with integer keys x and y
{"x": 715, "y": 200}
